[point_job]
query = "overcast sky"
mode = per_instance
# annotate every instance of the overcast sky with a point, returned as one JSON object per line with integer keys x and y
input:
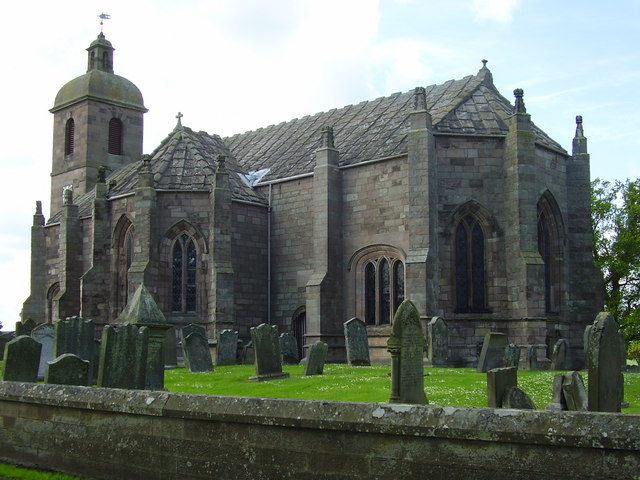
{"x": 235, "y": 65}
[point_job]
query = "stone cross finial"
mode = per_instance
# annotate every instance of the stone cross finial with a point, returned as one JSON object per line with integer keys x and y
{"x": 579, "y": 130}
{"x": 484, "y": 63}
{"x": 420, "y": 99}
{"x": 38, "y": 207}
{"x": 519, "y": 105}
{"x": 67, "y": 195}
{"x": 179, "y": 117}
{"x": 327, "y": 138}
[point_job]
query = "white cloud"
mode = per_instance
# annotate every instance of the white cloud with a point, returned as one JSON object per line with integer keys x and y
{"x": 498, "y": 10}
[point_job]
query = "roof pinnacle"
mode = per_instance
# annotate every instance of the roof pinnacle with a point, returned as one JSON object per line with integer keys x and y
{"x": 519, "y": 103}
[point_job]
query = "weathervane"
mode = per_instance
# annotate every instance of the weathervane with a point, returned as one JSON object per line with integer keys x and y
{"x": 103, "y": 17}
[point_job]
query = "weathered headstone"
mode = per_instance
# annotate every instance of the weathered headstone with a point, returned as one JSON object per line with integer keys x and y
{"x": 25, "y": 327}
{"x": 227, "y": 348}
{"x": 356, "y": 342}
{"x": 4, "y": 339}
{"x": 316, "y": 358}
{"x": 605, "y": 377}
{"x": 289, "y": 349}
{"x": 532, "y": 358}
{"x": 499, "y": 380}
{"x": 438, "y": 341}
{"x": 267, "y": 359}
{"x": 516, "y": 398}
{"x": 512, "y": 355}
{"x": 44, "y": 334}
{"x": 142, "y": 311}
{"x": 76, "y": 335}
{"x": 248, "y": 357}
{"x": 586, "y": 338}
{"x": 21, "y": 360}
{"x": 191, "y": 328}
{"x": 169, "y": 348}
{"x": 575, "y": 395}
{"x": 492, "y": 354}
{"x": 406, "y": 346}
{"x": 196, "y": 352}
{"x": 123, "y": 357}
{"x": 559, "y": 355}
{"x": 558, "y": 401}
{"x": 67, "y": 369}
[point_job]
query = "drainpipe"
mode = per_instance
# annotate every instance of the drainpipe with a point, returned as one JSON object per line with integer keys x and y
{"x": 269, "y": 258}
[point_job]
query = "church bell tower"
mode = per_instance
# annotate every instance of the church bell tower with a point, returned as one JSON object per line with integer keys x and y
{"x": 98, "y": 122}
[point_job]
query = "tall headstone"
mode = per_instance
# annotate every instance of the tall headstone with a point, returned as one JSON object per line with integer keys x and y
{"x": 532, "y": 357}
{"x": 142, "y": 311}
{"x": 406, "y": 346}
{"x": 196, "y": 352}
{"x": 356, "y": 342}
{"x": 512, "y": 355}
{"x": 25, "y": 327}
{"x": 267, "y": 359}
{"x": 316, "y": 358}
{"x": 76, "y": 335}
{"x": 67, "y": 369}
{"x": 574, "y": 393}
{"x": 438, "y": 341}
{"x": 559, "y": 355}
{"x": 227, "y": 348}
{"x": 44, "y": 334}
{"x": 170, "y": 348}
{"x": 21, "y": 360}
{"x": 499, "y": 380}
{"x": 492, "y": 354}
{"x": 603, "y": 361}
{"x": 123, "y": 357}
{"x": 289, "y": 349}
{"x": 586, "y": 339}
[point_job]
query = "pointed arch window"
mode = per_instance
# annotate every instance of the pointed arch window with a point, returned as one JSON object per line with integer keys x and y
{"x": 550, "y": 252}
{"x": 124, "y": 260}
{"x": 115, "y": 136}
{"x": 183, "y": 268}
{"x": 69, "y": 136}
{"x": 470, "y": 278}
{"x": 383, "y": 289}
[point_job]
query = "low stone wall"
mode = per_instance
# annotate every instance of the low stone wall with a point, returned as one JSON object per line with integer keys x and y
{"x": 110, "y": 433}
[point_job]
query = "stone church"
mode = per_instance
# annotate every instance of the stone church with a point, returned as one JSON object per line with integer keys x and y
{"x": 447, "y": 195}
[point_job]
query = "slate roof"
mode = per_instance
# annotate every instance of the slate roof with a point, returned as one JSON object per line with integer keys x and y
{"x": 370, "y": 130}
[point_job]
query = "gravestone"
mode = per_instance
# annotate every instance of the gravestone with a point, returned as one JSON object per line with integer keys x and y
{"x": 76, "y": 335}
{"x": 316, "y": 358}
{"x": 141, "y": 310}
{"x": 267, "y": 358}
{"x": 289, "y": 349}
{"x": 191, "y": 328}
{"x": 4, "y": 339}
{"x": 197, "y": 357}
{"x": 499, "y": 381}
{"x": 559, "y": 355}
{"x": 44, "y": 335}
{"x": 512, "y": 355}
{"x": 575, "y": 395}
{"x": 25, "y": 327}
{"x": 67, "y": 369}
{"x": 356, "y": 342}
{"x": 248, "y": 357}
{"x": 406, "y": 346}
{"x": 532, "y": 357}
{"x": 492, "y": 354}
{"x": 558, "y": 401}
{"x": 438, "y": 341}
{"x": 586, "y": 338}
{"x": 227, "y": 348}
{"x": 605, "y": 377}
{"x": 123, "y": 357}
{"x": 516, "y": 398}
{"x": 170, "y": 350}
{"x": 21, "y": 360}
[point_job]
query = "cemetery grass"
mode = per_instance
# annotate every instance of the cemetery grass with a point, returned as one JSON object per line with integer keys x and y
{"x": 11, "y": 472}
{"x": 456, "y": 387}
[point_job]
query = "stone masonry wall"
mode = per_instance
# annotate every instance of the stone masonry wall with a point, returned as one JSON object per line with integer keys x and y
{"x": 162, "y": 435}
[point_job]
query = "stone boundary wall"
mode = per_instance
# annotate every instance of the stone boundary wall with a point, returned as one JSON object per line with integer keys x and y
{"x": 125, "y": 434}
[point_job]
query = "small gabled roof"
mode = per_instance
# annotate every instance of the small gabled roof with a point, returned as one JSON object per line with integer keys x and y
{"x": 378, "y": 128}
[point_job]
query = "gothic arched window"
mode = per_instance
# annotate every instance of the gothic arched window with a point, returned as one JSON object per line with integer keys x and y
{"x": 469, "y": 266}
{"x": 383, "y": 289}
{"x": 69, "y": 136}
{"x": 115, "y": 136}
{"x": 183, "y": 269}
{"x": 550, "y": 249}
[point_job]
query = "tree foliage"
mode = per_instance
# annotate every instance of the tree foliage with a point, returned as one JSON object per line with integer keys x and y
{"x": 616, "y": 247}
